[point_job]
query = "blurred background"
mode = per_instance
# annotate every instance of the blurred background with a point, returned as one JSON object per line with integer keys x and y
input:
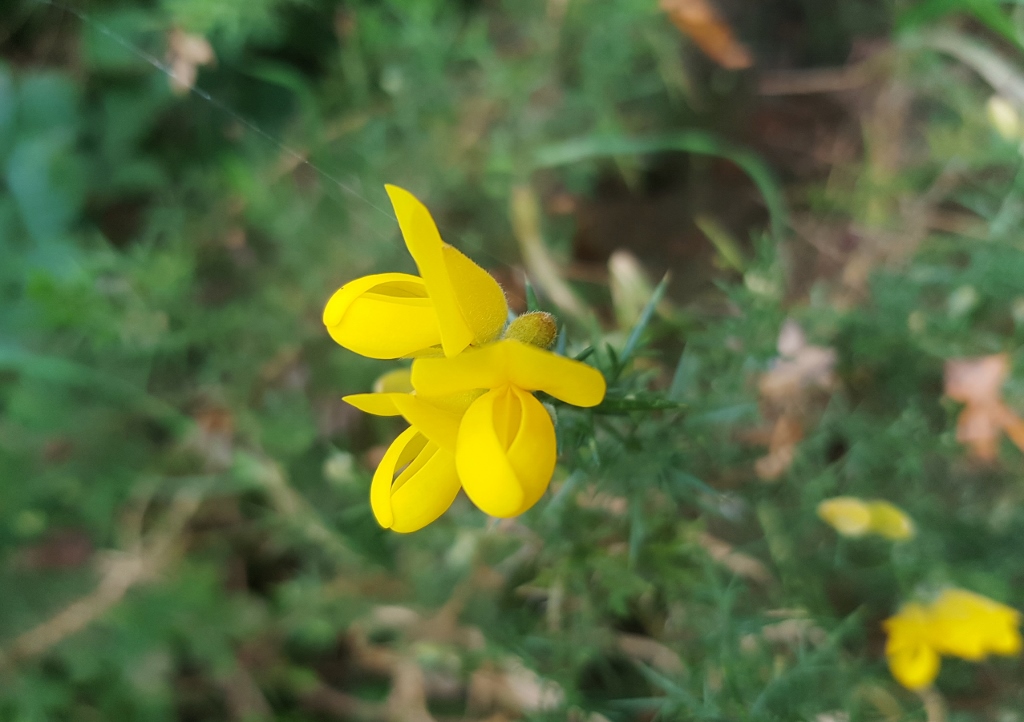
{"x": 835, "y": 189}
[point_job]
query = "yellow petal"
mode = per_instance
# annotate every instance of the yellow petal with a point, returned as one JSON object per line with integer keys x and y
{"x": 915, "y": 667}
{"x": 425, "y": 486}
{"x": 398, "y": 381}
{"x": 436, "y": 418}
{"x": 402, "y": 450}
{"x": 510, "y": 362}
{"x": 481, "y": 299}
{"x": 439, "y": 425}
{"x": 376, "y": 404}
{"x": 971, "y": 626}
{"x": 847, "y": 515}
{"x": 506, "y": 451}
{"x": 470, "y": 305}
{"x": 424, "y": 495}
{"x": 890, "y": 521}
{"x": 384, "y": 316}
{"x": 426, "y": 247}
{"x": 913, "y": 659}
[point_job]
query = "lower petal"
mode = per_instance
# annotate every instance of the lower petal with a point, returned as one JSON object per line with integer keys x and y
{"x": 397, "y": 455}
{"x": 427, "y": 493}
{"x": 915, "y": 667}
{"x": 534, "y": 451}
{"x": 487, "y": 475}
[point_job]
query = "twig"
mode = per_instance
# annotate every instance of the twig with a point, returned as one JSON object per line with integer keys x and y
{"x": 934, "y": 704}
{"x": 121, "y": 572}
{"x": 525, "y": 214}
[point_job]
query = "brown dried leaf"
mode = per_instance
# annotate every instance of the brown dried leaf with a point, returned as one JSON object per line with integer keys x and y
{"x": 651, "y": 652}
{"x": 977, "y": 383}
{"x": 977, "y": 380}
{"x": 511, "y": 688}
{"x": 786, "y": 434}
{"x": 701, "y": 22}
{"x": 738, "y": 563}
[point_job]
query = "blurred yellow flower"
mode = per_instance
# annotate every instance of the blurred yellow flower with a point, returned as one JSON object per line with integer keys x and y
{"x": 913, "y": 659}
{"x": 855, "y": 517}
{"x": 452, "y": 304}
{"x": 957, "y": 623}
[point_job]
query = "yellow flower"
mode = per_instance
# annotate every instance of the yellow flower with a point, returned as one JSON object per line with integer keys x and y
{"x": 505, "y": 447}
{"x": 971, "y": 626}
{"x": 957, "y": 623}
{"x": 913, "y": 660}
{"x": 416, "y": 481}
{"x": 473, "y": 420}
{"x": 855, "y": 517}
{"x": 453, "y": 303}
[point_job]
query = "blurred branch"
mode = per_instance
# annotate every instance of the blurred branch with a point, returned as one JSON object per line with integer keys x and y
{"x": 696, "y": 142}
{"x": 542, "y": 267}
{"x": 934, "y": 705}
{"x": 1004, "y": 77}
{"x": 121, "y": 572}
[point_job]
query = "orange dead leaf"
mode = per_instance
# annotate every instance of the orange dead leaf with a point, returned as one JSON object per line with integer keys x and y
{"x": 699, "y": 20}
{"x": 977, "y": 383}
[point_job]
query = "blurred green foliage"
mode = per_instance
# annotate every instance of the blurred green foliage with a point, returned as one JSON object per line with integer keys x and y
{"x": 184, "y": 524}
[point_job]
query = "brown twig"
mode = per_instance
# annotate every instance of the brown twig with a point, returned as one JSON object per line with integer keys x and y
{"x": 121, "y": 572}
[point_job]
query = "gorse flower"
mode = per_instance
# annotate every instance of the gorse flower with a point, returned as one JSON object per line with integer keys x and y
{"x": 474, "y": 422}
{"x": 855, "y": 517}
{"x": 452, "y": 303}
{"x": 957, "y": 623}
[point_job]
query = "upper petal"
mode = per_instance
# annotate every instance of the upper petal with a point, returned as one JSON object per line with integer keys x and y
{"x": 384, "y": 316}
{"x": 470, "y": 305}
{"x": 505, "y": 453}
{"x": 481, "y": 298}
{"x": 426, "y": 247}
{"x": 511, "y": 362}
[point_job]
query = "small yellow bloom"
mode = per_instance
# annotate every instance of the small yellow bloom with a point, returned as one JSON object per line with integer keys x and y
{"x": 505, "y": 449}
{"x": 971, "y": 626}
{"x": 453, "y": 303}
{"x": 847, "y": 515}
{"x": 913, "y": 660}
{"x": 890, "y": 521}
{"x": 855, "y": 517}
{"x": 957, "y": 623}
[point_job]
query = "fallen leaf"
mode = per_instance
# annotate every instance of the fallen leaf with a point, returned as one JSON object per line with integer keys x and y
{"x": 977, "y": 384}
{"x": 740, "y": 564}
{"x": 512, "y": 688}
{"x": 651, "y": 652}
{"x": 701, "y": 22}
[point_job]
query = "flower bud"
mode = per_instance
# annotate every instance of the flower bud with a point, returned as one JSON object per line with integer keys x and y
{"x": 537, "y": 329}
